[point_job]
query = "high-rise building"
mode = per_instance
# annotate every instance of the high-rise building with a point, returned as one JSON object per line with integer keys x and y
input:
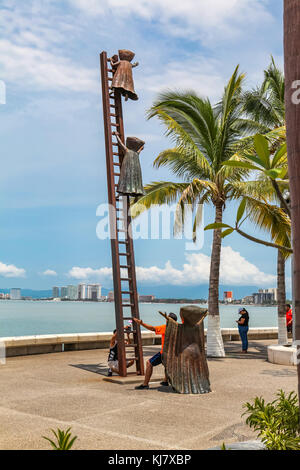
{"x": 249, "y": 299}
{"x": 266, "y": 296}
{"x": 15, "y": 294}
{"x": 64, "y": 293}
{"x": 72, "y": 292}
{"x": 93, "y": 292}
{"x": 55, "y": 292}
{"x": 228, "y": 296}
{"x": 82, "y": 291}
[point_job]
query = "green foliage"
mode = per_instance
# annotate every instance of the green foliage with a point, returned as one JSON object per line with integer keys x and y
{"x": 277, "y": 423}
{"x": 63, "y": 441}
{"x": 274, "y": 167}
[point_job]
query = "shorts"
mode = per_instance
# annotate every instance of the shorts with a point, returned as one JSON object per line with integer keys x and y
{"x": 115, "y": 364}
{"x": 156, "y": 360}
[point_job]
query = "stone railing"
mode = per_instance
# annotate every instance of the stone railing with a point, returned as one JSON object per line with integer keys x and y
{"x": 43, "y": 344}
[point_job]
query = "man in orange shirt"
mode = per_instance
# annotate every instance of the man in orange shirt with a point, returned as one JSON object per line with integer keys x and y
{"x": 157, "y": 359}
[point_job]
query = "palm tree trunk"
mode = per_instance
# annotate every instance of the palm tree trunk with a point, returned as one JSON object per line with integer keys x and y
{"x": 282, "y": 331}
{"x": 292, "y": 74}
{"x": 215, "y": 346}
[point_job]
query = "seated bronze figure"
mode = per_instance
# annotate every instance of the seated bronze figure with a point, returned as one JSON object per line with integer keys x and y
{"x": 184, "y": 355}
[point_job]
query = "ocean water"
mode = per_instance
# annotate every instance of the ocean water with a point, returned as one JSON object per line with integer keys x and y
{"x": 22, "y": 318}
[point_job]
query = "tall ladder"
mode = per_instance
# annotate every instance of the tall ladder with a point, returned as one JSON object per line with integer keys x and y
{"x": 123, "y": 263}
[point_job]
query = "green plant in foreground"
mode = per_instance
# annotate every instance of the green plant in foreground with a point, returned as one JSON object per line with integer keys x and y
{"x": 63, "y": 439}
{"x": 277, "y": 423}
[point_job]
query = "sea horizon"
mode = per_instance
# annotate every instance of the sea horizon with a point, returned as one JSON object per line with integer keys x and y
{"x": 26, "y": 318}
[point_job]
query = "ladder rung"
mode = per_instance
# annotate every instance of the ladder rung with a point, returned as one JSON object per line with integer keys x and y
{"x": 127, "y": 305}
{"x": 127, "y": 318}
{"x": 126, "y": 279}
{"x": 122, "y": 242}
{"x": 131, "y": 345}
{"x": 116, "y": 154}
{"x": 110, "y": 79}
{"x": 126, "y": 266}
{"x": 110, "y": 70}
{"x": 117, "y": 174}
{"x": 132, "y": 358}
{"x": 115, "y": 125}
{"x": 123, "y": 254}
{"x": 126, "y": 292}
{"x": 115, "y": 144}
{"x": 112, "y": 105}
{"x": 113, "y": 115}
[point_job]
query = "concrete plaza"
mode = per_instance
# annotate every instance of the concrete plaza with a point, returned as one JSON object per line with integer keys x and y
{"x": 47, "y": 391}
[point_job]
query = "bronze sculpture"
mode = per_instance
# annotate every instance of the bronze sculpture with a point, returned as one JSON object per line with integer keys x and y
{"x": 184, "y": 355}
{"x": 123, "y": 79}
{"x": 130, "y": 181}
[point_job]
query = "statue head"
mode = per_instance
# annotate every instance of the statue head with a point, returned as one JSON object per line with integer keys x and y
{"x": 192, "y": 314}
{"x": 124, "y": 54}
{"x": 133, "y": 143}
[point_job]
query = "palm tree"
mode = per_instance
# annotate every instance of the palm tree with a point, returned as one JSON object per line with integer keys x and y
{"x": 265, "y": 106}
{"x": 273, "y": 182}
{"x": 291, "y": 58}
{"x": 205, "y": 137}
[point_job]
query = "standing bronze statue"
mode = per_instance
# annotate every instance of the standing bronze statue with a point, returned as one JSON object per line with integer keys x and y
{"x": 184, "y": 355}
{"x": 123, "y": 78}
{"x": 130, "y": 181}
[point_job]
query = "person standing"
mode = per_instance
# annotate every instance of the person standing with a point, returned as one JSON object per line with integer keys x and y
{"x": 289, "y": 318}
{"x": 243, "y": 325}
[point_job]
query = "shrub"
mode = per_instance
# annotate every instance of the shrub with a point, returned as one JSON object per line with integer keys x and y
{"x": 63, "y": 440}
{"x": 277, "y": 423}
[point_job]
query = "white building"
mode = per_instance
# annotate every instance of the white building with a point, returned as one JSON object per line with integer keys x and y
{"x": 93, "y": 292}
{"x": 82, "y": 291}
{"x": 15, "y": 294}
{"x": 55, "y": 292}
{"x": 72, "y": 292}
{"x": 274, "y": 291}
{"x": 64, "y": 293}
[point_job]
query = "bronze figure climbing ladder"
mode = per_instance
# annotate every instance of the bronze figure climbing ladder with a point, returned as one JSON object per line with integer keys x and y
{"x": 123, "y": 264}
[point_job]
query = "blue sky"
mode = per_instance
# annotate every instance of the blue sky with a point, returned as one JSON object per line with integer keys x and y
{"x": 53, "y": 167}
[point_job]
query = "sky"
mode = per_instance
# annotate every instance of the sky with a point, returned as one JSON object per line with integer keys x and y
{"x": 53, "y": 175}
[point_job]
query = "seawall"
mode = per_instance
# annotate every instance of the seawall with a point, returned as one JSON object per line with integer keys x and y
{"x": 45, "y": 344}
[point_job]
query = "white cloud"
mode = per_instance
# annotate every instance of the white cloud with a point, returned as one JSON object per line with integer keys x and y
{"x": 200, "y": 18}
{"x": 88, "y": 273}
{"x": 9, "y": 270}
{"x": 49, "y": 272}
{"x": 235, "y": 270}
{"x": 33, "y": 66}
{"x": 203, "y": 76}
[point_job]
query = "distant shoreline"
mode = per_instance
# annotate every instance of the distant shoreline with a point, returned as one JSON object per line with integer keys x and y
{"x": 153, "y": 302}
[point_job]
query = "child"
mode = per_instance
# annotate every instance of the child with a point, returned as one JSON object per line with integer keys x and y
{"x": 123, "y": 78}
{"x": 130, "y": 181}
{"x": 113, "y": 362}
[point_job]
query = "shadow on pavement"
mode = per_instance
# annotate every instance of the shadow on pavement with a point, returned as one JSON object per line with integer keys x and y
{"x": 95, "y": 368}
